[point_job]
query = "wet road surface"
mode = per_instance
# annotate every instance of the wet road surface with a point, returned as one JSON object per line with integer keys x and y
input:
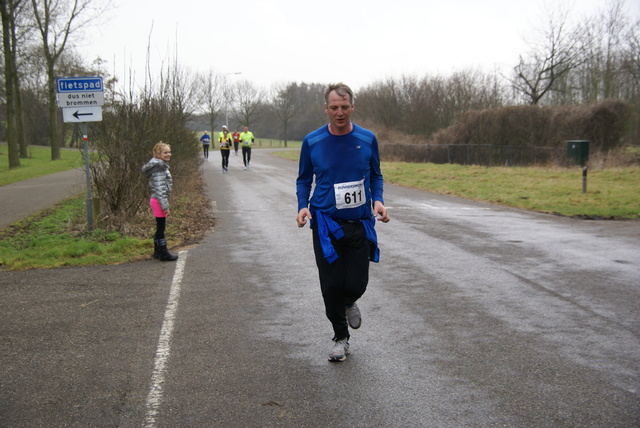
{"x": 476, "y": 315}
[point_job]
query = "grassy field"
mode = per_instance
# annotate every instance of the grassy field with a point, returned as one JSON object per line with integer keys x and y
{"x": 611, "y": 193}
{"x": 53, "y": 238}
{"x": 38, "y": 164}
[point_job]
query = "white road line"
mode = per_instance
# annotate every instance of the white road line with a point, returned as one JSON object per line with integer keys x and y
{"x": 436, "y": 208}
{"x": 164, "y": 345}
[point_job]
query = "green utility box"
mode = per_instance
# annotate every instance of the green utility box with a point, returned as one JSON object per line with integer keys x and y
{"x": 578, "y": 151}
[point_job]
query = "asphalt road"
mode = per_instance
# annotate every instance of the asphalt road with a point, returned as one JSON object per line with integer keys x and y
{"x": 477, "y": 315}
{"x": 24, "y": 198}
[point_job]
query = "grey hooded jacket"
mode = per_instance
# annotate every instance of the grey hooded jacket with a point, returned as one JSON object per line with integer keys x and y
{"x": 160, "y": 181}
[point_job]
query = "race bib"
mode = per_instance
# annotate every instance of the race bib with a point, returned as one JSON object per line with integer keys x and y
{"x": 349, "y": 195}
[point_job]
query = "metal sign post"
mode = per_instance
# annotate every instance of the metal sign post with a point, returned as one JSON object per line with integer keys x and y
{"x": 88, "y": 174}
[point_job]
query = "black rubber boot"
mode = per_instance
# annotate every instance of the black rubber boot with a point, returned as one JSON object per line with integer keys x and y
{"x": 165, "y": 255}
{"x": 156, "y": 249}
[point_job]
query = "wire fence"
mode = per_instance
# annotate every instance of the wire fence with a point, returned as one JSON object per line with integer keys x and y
{"x": 472, "y": 154}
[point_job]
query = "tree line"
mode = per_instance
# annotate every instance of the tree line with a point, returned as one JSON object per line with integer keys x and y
{"x": 568, "y": 62}
{"x": 37, "y": 39}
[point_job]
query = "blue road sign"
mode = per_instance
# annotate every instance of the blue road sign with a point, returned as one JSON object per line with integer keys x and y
{"x": 79, "y": 84}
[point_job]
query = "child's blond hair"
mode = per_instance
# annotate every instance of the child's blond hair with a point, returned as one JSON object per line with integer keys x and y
{"x": 157, "y": 149}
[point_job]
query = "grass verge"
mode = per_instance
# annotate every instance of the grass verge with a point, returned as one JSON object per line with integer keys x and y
{"x": 53, "y": 238}
{"x": 58, "y": 237}
{"x": 611, "y": 193}
{"x": 38, "y": 163}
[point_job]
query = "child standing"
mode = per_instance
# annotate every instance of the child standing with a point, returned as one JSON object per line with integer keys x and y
{"x": 160, "y": 183}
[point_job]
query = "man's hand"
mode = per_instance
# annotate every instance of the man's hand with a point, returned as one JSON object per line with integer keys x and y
{"x": 302, "y": 217}
{"x": 379, "y": 209}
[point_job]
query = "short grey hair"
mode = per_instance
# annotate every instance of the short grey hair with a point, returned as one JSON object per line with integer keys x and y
{"x": 341, "y": 89}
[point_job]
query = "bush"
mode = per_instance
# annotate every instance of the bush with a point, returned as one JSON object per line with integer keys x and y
{"x": 605, "y": 124}
{"x": 123, "y": 142}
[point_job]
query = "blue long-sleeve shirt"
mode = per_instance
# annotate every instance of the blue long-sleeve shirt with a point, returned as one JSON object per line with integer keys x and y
{"x": 347, "y": 176}
{"x": 335, "y": 160}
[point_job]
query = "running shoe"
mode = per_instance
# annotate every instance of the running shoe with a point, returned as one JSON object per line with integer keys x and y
{"x": 340, "y": 351}
{"x": 353, "y": 316}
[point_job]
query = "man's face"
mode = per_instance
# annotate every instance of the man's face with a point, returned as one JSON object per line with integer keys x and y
{"x": 339, "y": 111}
{"x": 246, "y": 129}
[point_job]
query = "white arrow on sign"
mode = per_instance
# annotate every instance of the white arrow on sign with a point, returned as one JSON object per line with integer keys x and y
{"x": 82, "y": 114}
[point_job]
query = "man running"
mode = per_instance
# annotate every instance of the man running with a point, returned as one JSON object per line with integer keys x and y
{"x": 247, "y": 140}
{"x": 344, "y": 160}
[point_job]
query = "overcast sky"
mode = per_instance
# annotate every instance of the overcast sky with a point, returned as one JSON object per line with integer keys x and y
{"x": 354, "y": 41}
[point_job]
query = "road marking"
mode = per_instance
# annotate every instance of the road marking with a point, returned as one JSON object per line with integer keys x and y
{"x": 164, "y": 345}
{"x": 436, "y": 208}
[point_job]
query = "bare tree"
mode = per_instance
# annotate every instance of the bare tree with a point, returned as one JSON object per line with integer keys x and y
{"x": 424, "y": 106}
{"x": 180, "y": 90}
{"x": 312, "y": 102}
{"x": 13, "y": 12}
{"x": 285, "y": 104}
{"x": 429, "y": 105}
{"x": 631, "y": 71}
{"x": 311, "y": 115}
{"x": 212, "y": 97}
{"x": 552, "y": 58}
{"x": 384, "y": 102}
{"x": 598, "y": 76}
{"x": 21, "y": 37}
{"x": 631, "y": 61}
{"x": 8, "y": 11}
{"x": 248, "y": 100}
{"x": 57, "y": 21}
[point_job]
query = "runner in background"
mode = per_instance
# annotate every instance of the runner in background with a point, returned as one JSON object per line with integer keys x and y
{"x": 247, "y": 140}
{"x": 236, "y": 141}
{"x": 224, "y": 138}
{"x": 205, "y": 140}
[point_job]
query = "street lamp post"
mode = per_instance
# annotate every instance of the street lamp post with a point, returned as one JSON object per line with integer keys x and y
{"x": 226, "y": 101}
